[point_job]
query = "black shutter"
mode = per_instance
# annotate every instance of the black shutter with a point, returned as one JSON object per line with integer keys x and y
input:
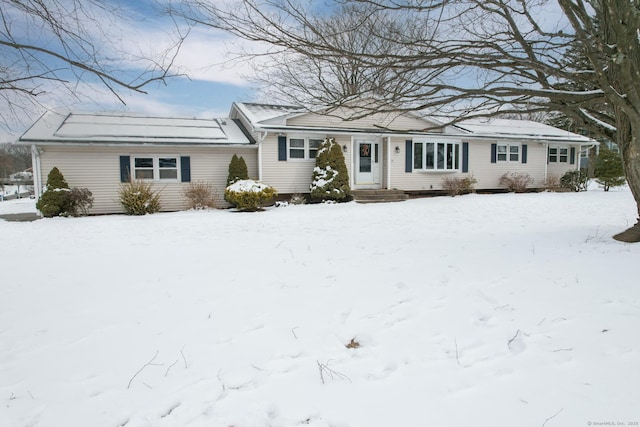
{"x": 524, "y": 153}
{"x": 185, "y": 168}
{"x": 465, "y": 157}
{"x": 282, "y": 148}
{"x": 125, "y": 168}
{"x": 494, "y": 152}
{"x": 408, "y": 166}
{"x": 573, "y": 155}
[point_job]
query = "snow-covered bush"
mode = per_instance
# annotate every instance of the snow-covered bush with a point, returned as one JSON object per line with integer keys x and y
{"x": 330, "y": 180}
{"x": 516, "y": 181}
{"x": 200, "y": 195}
{"x": 458, "y": 186}
{"x": 139, "y": 198}
{"x": 55, "y": 199}
{"x": 249, "y": 195}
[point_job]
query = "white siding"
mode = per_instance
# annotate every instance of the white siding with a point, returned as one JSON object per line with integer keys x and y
{"x": 486, "y": 173}
{"x": 98, "y": 169}
{"x": 293, "y": 175}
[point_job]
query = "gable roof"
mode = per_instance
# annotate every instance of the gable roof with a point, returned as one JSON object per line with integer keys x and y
{"x": 280, "y": 117}
{"x": 276, "y": 117}
{"x": 113, "y": 128}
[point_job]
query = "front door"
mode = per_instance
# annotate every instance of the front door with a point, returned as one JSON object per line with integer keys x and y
{"x": 367, "y": 163}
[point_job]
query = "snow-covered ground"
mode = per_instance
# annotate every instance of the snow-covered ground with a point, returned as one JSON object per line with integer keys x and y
{"x": 480, "y": 310}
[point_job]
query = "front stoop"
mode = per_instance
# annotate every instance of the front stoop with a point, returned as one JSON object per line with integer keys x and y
{"x": 378, "y": 196}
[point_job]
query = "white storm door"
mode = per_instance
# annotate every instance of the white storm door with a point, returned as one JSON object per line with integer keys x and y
{"x": 367, "y": 163}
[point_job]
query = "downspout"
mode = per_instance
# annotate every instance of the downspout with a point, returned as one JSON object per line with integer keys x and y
{"x": 388, "y": 163}
{"x": 546, "y": 163}
{"x": 262, "y": 137}
{"x": 352, "y": 161}
{"x": 37, "y": 172}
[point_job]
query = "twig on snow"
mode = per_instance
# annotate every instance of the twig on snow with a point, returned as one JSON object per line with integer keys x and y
{"x": 552, "y": 416}
{"x": 170, "y": 366}
{"x": 149, "y": 363}
{"x": 324, "y": 367}
{"x": 514, "y": 337}
{"x": 184, "y": 359}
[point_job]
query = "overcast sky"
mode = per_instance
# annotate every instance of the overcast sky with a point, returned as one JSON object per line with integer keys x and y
{"x": 207, "y": 90}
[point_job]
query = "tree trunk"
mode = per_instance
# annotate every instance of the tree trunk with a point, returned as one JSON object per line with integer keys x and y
{"x": 629, "y": 143}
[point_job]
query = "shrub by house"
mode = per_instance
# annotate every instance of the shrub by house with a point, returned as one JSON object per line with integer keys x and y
{"x": 139, "y": 198}
{"x": 330, "y": 180}
{"x": 237, "y": 170}
{"x": 249, "y": 195}
{"x": 55, "y": 199}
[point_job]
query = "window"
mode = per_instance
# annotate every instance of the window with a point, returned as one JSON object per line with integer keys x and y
{"x": 558, "y": 155}
{"x": 436, "y": 156}
{"x": 168, "y": 167}
{"x": 304, "y": 148}
{"x": 564, "y": 155}
{"x": 514, "y": 153}
{"x": 163, "y": 168}
{"x": 314, "y": 144}
{"x": 143, "y": 167}
{"x": 296, "y": 148}
{"x": 508, "y": 153}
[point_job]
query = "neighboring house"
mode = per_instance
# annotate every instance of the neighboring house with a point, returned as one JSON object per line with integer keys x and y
{"x": 26, "y": 175}
{"x": 101, "y": 151}
{"x": 386, "y": 151}
{"x": 279, "y": 144}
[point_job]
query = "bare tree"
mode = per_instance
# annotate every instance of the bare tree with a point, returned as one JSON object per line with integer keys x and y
{"x": 49, "y": 46}
{"x": 462, "y": 57}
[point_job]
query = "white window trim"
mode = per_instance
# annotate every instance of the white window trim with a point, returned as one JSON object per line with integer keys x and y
{"x": 456, "y": 153}
{"x": 156, "y": 166}
{"x": 508, "y": 153}
{"x": 307, "y": 147}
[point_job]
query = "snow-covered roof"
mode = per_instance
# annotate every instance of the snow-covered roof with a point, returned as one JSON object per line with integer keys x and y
{"x": 268, "y": 116}
{"x": 522, "y": 129}
{"x": 257, "y": 113}
{"x": 127, "y": 128}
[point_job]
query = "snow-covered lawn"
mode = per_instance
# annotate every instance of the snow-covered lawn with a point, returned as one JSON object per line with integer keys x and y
{"x": 481, "y": 310}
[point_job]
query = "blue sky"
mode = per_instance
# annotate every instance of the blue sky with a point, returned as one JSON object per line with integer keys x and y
{"x": 208, "y": 91}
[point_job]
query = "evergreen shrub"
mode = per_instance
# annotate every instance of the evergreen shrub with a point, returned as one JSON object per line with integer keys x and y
{"x": 139, "y": 198}
{"x": 330, "y": 180}
{"x": 248, "y": 195}
{"x": 609, "y": 170}
{"x": 237, "y": 170}
{"x": 55, "y": 199}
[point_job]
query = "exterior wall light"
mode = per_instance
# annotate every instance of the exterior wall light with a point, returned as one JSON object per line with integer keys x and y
{"x": 397, "y": 150}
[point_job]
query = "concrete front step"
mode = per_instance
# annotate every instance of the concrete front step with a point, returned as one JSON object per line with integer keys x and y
{"x": 378, "y": 196}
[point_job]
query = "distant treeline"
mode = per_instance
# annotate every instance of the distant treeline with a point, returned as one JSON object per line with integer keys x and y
{"x": 13, "y": 158}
